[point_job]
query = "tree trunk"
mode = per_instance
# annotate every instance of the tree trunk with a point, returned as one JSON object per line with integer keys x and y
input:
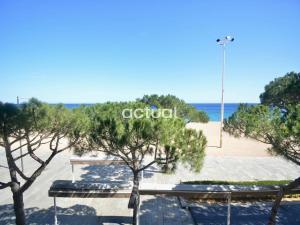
{"x": 134, "y": 201}
{"x": 15, "y": 186}
{"x": 275, "y": 207}
{"x": 135, "y": 215}
{"x": 19, "y": 208}
{"x": 283, "y": 190}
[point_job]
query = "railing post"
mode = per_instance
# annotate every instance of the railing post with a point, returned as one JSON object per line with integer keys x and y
{"x": 142, "y": 177}
{"x": 73, "y": 175}
{"x": 138, "y": 215}
{"x": 55, "y": 212}
{"x": 228, "y": 208}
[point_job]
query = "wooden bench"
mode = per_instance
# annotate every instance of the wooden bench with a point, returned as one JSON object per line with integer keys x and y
{"x": 211, "y": 191}
{"x": 76, "y": 160}
{"x": 82, "y": 189}
{"x": 87, "y": 189}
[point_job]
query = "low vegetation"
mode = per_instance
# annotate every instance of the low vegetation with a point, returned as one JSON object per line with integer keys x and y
{"x": 244, "y": 183}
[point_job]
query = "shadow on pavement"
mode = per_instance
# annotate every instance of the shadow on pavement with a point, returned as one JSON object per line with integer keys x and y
{"x": 74, "y": 215}
{"x": 244, "y": 214}
{"x": 154, "y": 210}
{"x": 115, "y": 220}
{"x": 163, "y": 210}
{"x": 109, "y": 173}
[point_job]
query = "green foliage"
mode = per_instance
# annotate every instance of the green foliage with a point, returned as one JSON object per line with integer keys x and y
{"x": 257, "y": 122}
{"x": 192, "y": 144}
{"x": 283, "y": 91}
{"x": 42, "y": 120}
{"x": 51, "y": 120}
{"x": 68, "y": 123}
{"x": 166, "y": 140}
{"x": 9, "y": 118}
{"x": 180, "y": 144}
{"x": 269, "y": 125}
{"x": 34, "y": 124}
{"x": 276, "y": 122}
{"x": 184, "y": 110}
{"x": 35, "y": 116}
{"x": 287, "y": 140}
{"x": 29, "y": 117}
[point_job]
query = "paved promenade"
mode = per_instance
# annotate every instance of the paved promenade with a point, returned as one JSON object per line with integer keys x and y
{"x": 219, "y": 164}
{"x": 39, "y": 207}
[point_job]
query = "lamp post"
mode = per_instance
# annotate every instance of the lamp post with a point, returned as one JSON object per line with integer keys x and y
{"x": 21, "y": 150}
{"x": 223, "y": 43}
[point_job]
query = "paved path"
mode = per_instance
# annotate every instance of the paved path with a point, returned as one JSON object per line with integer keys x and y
{"x": 105, "y": 211}
{"x": 231, "y": 168}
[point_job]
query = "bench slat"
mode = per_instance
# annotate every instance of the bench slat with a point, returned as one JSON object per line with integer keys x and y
{"x": 84, "y": 189}
{"x": 90, "y": 194}
{"x": 97, "y": 162}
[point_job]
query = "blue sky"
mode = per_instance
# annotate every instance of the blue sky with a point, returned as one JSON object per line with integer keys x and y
{"x": 94, "y": 51}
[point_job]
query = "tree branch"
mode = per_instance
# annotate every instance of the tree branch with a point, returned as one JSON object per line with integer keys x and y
{"x": 31, "y": 151}
{"x": 36, "y": 173}
{"x": 146, "y": 166}
{"x": 11, "y": 161}
{"x": 71, "y": 144}
{"x": 5, "y": 185}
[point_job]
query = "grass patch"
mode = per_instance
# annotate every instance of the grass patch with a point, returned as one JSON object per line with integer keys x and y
{"x": 246, "y": 183}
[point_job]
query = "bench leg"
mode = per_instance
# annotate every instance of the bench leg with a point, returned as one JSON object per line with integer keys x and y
{"x": 73, "y": 175}
{"x": 229, "y": 209}
{"x": 55, "y": 212}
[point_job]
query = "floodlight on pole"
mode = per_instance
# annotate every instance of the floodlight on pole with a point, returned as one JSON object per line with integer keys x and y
{"x": 223, "y": 42}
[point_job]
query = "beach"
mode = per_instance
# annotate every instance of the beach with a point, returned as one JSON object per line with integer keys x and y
{"x": 231, "y": 146}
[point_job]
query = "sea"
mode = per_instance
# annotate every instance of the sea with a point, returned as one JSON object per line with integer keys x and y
{"x": 212, "y": 109}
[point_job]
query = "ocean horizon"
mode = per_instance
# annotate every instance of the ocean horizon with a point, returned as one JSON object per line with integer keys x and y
{"x": 212, "y": 109}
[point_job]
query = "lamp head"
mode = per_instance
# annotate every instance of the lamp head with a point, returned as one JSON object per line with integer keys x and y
{"x": 225, "y": 40}
{"x": 229, "y": 38}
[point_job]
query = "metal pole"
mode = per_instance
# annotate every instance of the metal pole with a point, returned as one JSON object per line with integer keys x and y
{"x": 222, "y": 97}
{"x": 142, "y": 177}
{"x": 229, "y": 208}
{"x": 55, "y": 212}
{"x": 73, "y": 175}
{"x": 21, "y": 150}
{"x": 138, "y": 214}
